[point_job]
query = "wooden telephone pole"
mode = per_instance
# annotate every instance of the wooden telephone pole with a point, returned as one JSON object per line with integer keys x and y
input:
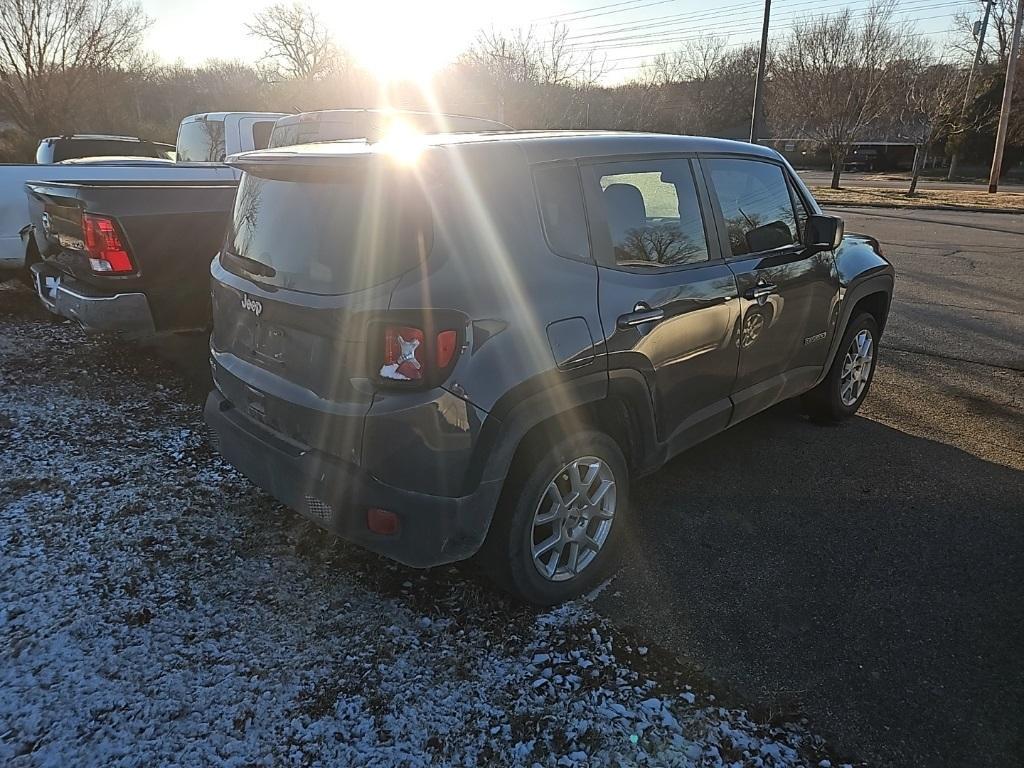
{"x": 954, "y": 161}
{"x": 1004, "y": 112}
{"x": 757, "y": 117}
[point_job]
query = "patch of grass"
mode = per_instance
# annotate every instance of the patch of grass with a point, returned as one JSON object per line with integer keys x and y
{"x": 954, "y": 199}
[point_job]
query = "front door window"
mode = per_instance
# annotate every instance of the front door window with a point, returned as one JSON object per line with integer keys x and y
{"x": 756, "y": 204}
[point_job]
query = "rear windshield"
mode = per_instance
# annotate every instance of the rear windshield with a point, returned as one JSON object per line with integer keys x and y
{"x": 71, "y": 149}
{"x": 201, "y": 141}
{"x": 327, "y": 236}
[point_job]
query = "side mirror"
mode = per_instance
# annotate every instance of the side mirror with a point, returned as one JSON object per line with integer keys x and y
{"x": 768, "y": 237}
{"x": 823, "y": 233}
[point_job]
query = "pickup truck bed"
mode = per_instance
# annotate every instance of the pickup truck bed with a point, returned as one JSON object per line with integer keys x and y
{"x": 171, "y": 230}
{"x": 14, "y": 208}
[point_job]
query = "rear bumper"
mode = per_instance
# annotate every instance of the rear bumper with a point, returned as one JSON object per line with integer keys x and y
{"x": 336, "y": 494}
{"x": 93, "y": 309}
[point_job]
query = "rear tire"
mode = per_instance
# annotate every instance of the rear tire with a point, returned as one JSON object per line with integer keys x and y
{"x": 541, "y": 545}
{"x": 840, "y": 394}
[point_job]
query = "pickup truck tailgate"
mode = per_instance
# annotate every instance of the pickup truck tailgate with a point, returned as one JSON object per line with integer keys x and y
{"x": 171, "y": 230}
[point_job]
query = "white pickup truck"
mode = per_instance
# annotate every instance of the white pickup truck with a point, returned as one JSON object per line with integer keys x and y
{"x": 203, "y": 143}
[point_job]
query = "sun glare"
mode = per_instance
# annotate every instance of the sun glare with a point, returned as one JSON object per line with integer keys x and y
{"x": 402, "y": 142}
{"x": 404, "y": 40}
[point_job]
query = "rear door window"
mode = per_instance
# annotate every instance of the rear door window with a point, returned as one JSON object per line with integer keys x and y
{"x": 261, "y": 131}
{"x": 328, "y": 235}
{"x": 560, "y": 200}
{"x": 201, "y": 141}
{"x": 652, "y": 213}
{"x": 756, "y": 204}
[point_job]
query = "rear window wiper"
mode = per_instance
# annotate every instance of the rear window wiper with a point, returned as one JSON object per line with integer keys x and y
{"x": 252, "y": 266}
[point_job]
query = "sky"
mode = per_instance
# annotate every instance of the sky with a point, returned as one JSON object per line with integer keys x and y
{"x": 410, "y": 39}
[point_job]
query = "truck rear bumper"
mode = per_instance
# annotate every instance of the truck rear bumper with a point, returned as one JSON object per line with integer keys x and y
{"x": 336, "y": 494}
{"x": 93, "y": 309}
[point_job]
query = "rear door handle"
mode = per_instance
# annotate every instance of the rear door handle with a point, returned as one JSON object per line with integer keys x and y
{"x": 761, "y": 291}
{"x": 641, "y": 315}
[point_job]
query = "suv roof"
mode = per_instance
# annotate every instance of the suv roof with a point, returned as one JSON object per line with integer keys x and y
{"x": 539, "y": 146}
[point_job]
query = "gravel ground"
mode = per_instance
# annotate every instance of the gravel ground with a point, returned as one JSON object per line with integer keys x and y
{"x": 157, "y": 609}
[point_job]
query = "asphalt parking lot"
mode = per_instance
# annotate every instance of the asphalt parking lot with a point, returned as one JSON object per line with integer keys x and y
{"x": 871, "y": 575}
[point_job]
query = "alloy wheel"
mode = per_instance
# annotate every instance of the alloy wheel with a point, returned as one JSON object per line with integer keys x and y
{"x": 856, "y": 372}
{"x": 573, "y": 518}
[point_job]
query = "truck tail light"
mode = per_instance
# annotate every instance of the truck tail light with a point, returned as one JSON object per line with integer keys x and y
{"x": 410, "y": 356}
{"x": 107, "y": 251}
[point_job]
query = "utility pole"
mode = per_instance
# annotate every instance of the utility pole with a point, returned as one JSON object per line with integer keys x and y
{"x": 955, "y": 159}
{"x": 757, "y": 118}
{"x": 1004, "y": 112}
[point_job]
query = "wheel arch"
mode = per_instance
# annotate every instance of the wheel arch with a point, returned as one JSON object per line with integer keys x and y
{"x": 873, "y": 294}
{"x": 618, "y": 403}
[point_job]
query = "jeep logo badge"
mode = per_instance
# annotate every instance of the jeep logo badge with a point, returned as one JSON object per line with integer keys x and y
{"x": 252, "y": 305}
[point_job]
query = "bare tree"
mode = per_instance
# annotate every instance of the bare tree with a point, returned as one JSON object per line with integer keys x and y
{"x": 701, "y": 84}
{"x": 997, "y": 36}
{"x": 50, "y": 48}
{"x": 521, "y": 56}
{"x": 837, "y": 76}
{"x": 299, "y": 46}
{"x": 982, "y": 105}
{"x": 698, "y": 60}
{"x": 934, "y": 96}
{"x": 639, "y": 101}
{"x": 544, "y": 80}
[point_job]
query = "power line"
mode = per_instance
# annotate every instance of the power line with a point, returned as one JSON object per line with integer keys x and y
{"x": 698, "y": 34}
{"x": 738, "y": 26}
{"x": 668, "y": 18}
{"x": 731, "y": 46}
{"x": 676, "y": 18}
{"x": 637, "y": 5}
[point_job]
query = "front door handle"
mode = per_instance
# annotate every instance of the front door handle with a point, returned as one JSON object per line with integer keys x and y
{"x": 761, "y": 291}
{"x": 641, "y": 315}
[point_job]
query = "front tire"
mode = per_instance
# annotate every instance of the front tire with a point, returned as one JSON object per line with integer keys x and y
{"x": 561, "y": 520}
{"x": 842, "y": 391}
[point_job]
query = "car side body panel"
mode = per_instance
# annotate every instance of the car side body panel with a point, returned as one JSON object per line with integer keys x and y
{"x": 863, "y": 271}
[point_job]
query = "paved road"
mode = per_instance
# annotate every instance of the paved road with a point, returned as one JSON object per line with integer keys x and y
{"x": 870, "y": 575}
{"x": 890, "y": 181}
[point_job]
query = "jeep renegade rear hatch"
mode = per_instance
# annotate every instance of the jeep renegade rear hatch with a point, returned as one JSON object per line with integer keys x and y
{"x": 306, "y": 272}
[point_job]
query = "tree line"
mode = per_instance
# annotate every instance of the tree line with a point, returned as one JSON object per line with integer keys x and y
{"x": 832, "y": 80}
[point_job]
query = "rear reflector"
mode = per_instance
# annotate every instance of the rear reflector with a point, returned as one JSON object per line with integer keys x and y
{"x": 381, "y": 521}
{"x": 446, "y": 342}
{"x": 107, "y": 252}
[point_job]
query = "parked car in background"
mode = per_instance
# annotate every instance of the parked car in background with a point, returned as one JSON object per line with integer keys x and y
{"x": 371, "y": 124}
{"x": 419, "y": 359}
{"x": 57, "y": 149}
{"x": 200, "y": 137}
{"x": 163, "y": 234}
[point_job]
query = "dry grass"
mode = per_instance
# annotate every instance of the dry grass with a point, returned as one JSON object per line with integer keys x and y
{"x": 1006, "y": 202}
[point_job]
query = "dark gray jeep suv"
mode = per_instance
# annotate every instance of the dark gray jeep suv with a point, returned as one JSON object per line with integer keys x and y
{"x": 472, "y": 344}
